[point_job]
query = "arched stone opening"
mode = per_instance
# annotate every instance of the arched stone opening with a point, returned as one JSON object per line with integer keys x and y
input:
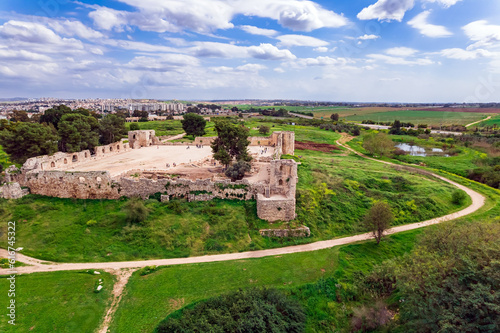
{"x": 133, "y": 137}
{"x": 280, "y": 182}
{"x": 65, "y": 161}
{"x": 86, "y": 155}
{"x": 103, "y": 150}
{"x": 110, "y": 148}
{"x": 52, "y": 164}
{"x": 75, "y": 158}
{"x": 118, "y": 147}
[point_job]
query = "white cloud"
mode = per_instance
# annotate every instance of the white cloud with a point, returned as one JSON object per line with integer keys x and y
{"x": 386, "y": 10}
{"x": 318, "y": 61}
{"x": 456, "y": 53}
{"x": 209, "y": 15}
{"x": 269, "y": 52}
{"x": 401, "y": 51}
{"x": 368, "y": 37}
{"x": 22, "y": 55}
{"x": 321, "y": 49}
{"x": 108, "y": 19}
{"x": 420, "y": 23}
{"x": 400, "y": 60}
{"x": 300, "y": 40}
{"x": 251, "y": 67}
{"x": 258, "y": 31}
{"x": 445, "y": 3}
{"x": 163, "y": 63}
{"x": 482, "y": 33}
{"x": 74, "y": 28}
{"x": 37, "y": 37}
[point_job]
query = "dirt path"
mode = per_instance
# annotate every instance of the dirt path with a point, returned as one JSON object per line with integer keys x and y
{"x": 122, "y": 279}
{"x": 479, "y": 121}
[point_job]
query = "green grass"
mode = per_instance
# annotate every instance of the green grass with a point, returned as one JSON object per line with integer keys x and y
{"x": 495, "y": 120}
{"x": 56, "y": 302}
{"x": 151, "y": 298}
{"x": 435, "y": 118}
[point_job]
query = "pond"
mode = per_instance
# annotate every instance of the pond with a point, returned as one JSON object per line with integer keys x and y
{"x": 420, "y": 151}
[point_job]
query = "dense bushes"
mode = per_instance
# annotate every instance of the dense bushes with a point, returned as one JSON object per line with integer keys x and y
{"x": 252, "y": 311}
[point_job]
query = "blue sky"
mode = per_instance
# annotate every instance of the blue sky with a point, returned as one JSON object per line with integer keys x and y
{"x": 356, "y": 50}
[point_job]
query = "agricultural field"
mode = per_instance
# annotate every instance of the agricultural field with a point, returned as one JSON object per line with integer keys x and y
{"x": 495, "y": 120}
{"x": 57, "y": 302}
{"x": 434, "y": 118}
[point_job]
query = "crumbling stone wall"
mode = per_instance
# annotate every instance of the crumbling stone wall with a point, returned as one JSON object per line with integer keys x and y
{"x": 275, "y": 208}
{"x": 142, "y": 138}
{"x": 12, "y": 191}
{"x": 80, "y": 185}
{"x": 297, "y": 232}
{"x": 62, "y": 160}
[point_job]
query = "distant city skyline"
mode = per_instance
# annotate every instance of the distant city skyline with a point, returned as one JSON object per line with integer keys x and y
{"x": 414, "y": 51}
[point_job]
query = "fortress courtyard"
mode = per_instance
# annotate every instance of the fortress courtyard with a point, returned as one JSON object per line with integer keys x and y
{"x": 156, "y": 158}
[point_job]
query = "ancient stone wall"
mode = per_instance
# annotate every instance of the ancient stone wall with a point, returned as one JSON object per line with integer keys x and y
{"x": 62, "y": 160}
{"x": 12, "y": 191}
{"x": 81, "y": 185}
{"x": 298, "y": 232}
{"x": 275, "y": 208}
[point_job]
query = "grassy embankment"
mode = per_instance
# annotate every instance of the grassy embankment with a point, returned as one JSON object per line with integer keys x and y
{"x": 56, "y": 302}
{"x": 334, "y": 193}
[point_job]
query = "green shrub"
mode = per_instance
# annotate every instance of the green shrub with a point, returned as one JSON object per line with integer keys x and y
{"x": 147, "y": 270}
{"x": 135, "y": 210}
{"x": 252, "y": 310}
{"x": 134, "y": 127}
{"x": 458, "y": 197}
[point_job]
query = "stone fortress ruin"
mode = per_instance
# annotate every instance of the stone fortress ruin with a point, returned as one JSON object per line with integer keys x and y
{"x": 148, "y": 165}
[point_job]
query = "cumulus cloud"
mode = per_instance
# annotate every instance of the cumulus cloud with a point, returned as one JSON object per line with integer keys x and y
{"x": 321, "y": 49}
{"x": 35, "y": 36}
{"x": 420, "y": 23}
{"x": 320, "y": 61}
{"x": 482, "y": 33}
{"x": 258, "y": 31}
{"x": 386, "y": 10}
{"x": 74, "y": 28}
{"x": 401, "y": 51}
{"x": 368, "y": 37}
{"x": 210, "y": 15}
{"x": 269, "y": 52}
{"x": 461, "y": 54}
{"x": 300, "y": 40}
{"x": 251, "y": 67}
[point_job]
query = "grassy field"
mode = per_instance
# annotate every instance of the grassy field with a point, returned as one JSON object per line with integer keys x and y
{"x": 436, "y": 118}
{"x": 495, "y": 120}
{"x": 152, "y": 297}
{"x": 56, "y": 302}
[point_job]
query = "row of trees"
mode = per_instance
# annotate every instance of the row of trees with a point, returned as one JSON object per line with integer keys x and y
{"x": 59, "y": 129}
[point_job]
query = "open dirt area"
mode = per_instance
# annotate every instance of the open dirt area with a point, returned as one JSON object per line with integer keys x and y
{"x": 156, "y": 158}
{"x": 323, "y": 147}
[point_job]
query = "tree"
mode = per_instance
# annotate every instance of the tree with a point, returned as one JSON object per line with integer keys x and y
{"x": 231, "y": 142}
{"x": 193, "y": 124}
{"x": 264, "y": 129}
{"x": 378, "y": 144}
{"x": 135, "y": 210}
{"x": 54, "y": 115}
{"x": 77, "y": 132}
{"x": 134, "y": 127}
{"x": 112, "y": 128}
{"x": 378, "y": 219}
{"x": 140, "y": 114}
{"x": 335, "y": 117}
{"x": 24, "y": 140}
{"x": 237, "y": 170}
{"x": 170, "y": 117}
{"x": 19, "y": 116}
{"x": 458, "y": 197}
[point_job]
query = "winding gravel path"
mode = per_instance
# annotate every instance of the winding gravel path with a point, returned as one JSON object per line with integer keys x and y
{"x": 40, "y": 266}
{"x": 477, "y": 122}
